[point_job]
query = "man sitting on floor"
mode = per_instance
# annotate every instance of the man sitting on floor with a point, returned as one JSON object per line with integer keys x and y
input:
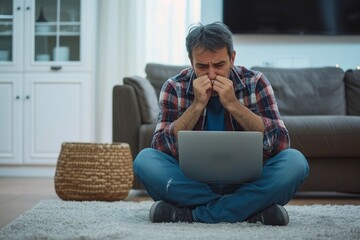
{"x": 216, "y": 95}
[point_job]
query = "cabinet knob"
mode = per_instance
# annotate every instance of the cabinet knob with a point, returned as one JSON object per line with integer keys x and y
{"x": 27, "y": 97}
{"x": 17, "y": 97}
{"x": 28, "y": 8}
{"x": 18, "y": 8}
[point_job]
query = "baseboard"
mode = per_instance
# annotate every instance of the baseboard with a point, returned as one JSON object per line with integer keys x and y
{"x": 27, "y": 171}
{"x": 326, "y": 195}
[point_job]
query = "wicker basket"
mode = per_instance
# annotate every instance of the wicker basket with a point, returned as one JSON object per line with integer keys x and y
{"x": 92, "y": 171}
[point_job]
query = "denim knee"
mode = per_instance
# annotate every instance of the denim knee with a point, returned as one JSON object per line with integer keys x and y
{"x": 294, "y": 164}
{"x": 299, "y": 161}
{"x": 293, "y": 169}
{"x": 142, "y": 160}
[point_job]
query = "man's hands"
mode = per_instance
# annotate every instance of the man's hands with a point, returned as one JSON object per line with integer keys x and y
{"x": 222, "y": 86}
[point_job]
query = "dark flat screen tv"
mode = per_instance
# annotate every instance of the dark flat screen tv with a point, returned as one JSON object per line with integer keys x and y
{"x": 307, "y": 17}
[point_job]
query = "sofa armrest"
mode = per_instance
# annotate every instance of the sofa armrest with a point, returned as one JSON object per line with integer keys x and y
{"x": 126, "y": 117}
{"x": 352, "y": 92}
{"x": 146, "y": 135}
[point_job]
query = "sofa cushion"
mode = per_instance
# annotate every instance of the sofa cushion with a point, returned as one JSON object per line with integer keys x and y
{"x": 325, "y": 136}
{"x": 352, "y": 88}
{"x": 148, "y": 101}
{"x": 308, "y": 91}
{"x": 159, "y": 73}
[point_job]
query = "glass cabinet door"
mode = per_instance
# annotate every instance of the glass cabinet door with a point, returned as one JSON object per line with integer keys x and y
{"x": 57, "y": 30}
{"x": 6, "y": 30}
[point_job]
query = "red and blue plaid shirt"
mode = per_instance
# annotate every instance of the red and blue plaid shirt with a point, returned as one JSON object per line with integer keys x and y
{"x": 251, "y": 88}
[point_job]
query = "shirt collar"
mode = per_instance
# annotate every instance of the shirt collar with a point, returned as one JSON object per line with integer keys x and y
{"x": 237, "y": 77}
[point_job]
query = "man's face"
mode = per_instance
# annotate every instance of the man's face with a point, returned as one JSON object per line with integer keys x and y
{"x": 212, "y": 63}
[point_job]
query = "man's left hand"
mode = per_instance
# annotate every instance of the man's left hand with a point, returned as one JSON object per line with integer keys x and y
{"x": 225, "y": 89}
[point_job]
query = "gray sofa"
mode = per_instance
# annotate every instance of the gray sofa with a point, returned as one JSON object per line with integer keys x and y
{"x": 320, "y": 108}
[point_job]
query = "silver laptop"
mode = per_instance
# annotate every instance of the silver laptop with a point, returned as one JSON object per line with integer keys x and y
{"x": 221, "y": 156}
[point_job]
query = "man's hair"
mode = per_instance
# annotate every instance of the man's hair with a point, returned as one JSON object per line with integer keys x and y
{"x": 210, "y": 37}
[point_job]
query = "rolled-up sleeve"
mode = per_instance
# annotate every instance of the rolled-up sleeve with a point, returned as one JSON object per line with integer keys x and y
{"x": 276, "y": 136}
{"x": 164, "y": 138}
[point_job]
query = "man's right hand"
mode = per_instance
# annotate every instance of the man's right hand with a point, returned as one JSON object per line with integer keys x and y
{"x": 202, "y": 90}
{"x": 202, "y": 87}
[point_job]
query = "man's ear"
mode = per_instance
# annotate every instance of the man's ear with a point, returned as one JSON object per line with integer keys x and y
{"x": 190, "y": 58}
{"x": 232, "y": 59}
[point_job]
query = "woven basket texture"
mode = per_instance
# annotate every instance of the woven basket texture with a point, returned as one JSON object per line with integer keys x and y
{"x": 94, "y": 172}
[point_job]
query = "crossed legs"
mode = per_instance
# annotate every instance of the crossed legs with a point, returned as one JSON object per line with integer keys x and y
{"x": 163, "y": 179}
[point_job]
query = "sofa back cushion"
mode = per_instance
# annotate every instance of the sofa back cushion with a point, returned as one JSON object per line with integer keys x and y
{"x": 352, "y": 88}
{"x": 308, "y": 91}
{"x": 159, "y": 73}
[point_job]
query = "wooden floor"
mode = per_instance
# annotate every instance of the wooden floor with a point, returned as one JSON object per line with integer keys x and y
{"x": 20, "y": 194}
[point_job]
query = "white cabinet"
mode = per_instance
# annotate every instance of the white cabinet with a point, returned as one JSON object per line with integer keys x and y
{"x": 47, "y": 56}
{"x": 56, "y": 109}
{"x": 10, "y": 118}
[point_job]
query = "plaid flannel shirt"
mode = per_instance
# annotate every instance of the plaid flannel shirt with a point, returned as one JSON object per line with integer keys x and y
{"x": 251, "y": 88}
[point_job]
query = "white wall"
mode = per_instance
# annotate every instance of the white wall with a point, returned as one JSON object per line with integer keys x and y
{"x": 288, "y": 50}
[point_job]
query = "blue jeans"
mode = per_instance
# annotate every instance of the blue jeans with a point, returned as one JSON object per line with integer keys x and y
{"x": 213, "y": 203}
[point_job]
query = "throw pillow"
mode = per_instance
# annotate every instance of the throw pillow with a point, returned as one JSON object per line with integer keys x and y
{"x": 146, "y": 94}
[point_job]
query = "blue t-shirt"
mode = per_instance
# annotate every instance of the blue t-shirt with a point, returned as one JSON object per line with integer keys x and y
{"x": 214, "y": 115}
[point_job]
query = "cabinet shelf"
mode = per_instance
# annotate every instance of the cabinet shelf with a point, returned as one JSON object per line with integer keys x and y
{"x": 6, "y": 33}
{"x": 50, "y": 24}
{"x": 6, "y": 27}
{"x": 6, "y": 17}
{"x": 50, "y": 29}
{"x": 61, "y": 34}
